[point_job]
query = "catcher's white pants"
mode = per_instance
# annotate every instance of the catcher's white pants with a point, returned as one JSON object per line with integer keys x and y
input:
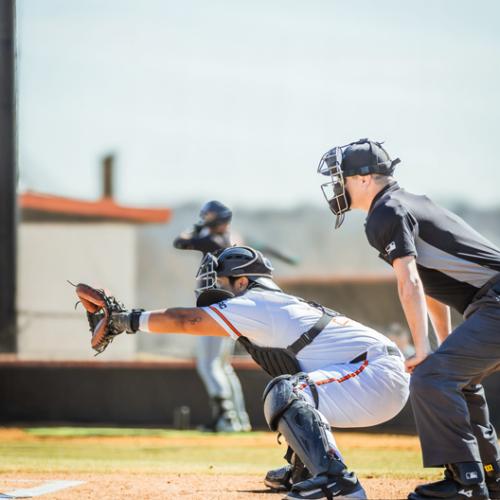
{"x": 362, "y": 394}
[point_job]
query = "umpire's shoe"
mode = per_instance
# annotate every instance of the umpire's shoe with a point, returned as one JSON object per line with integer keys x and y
{"x": 492, "y": 473}
{"x": 462, "y": 481}
{"x": 340, "y": 487}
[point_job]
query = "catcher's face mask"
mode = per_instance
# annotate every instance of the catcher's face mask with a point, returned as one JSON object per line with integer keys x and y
{"x": 207, "y": 290}
{"x": 334, "y": 191}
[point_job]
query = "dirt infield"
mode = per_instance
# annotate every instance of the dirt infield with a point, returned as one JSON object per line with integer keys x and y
{"x": 206, "y": 487}
{"x": 117, "y": 464}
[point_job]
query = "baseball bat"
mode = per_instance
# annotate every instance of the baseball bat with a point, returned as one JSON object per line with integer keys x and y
{"x": 273, "y": 252}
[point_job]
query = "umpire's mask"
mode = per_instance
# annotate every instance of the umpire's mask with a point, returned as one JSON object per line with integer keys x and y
{"x": 207, "y": 291}
{"x": 362, "y": 157}
{"x": 334, "y": 190}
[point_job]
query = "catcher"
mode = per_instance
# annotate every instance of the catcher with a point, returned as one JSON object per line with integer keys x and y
{"x": 327, "y": 369}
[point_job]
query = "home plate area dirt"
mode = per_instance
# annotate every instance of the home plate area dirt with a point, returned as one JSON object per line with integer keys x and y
{"x": 197, "y": 486}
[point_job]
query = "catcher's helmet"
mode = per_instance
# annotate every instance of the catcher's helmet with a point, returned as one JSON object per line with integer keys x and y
{"x": 214, "y": 213}
{"x": 362, "y": 157}
{"x": 231, "y": 262}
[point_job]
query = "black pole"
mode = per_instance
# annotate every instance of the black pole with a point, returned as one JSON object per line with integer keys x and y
{"x": 8, "y": 178}
{"x": 107, "y": 176}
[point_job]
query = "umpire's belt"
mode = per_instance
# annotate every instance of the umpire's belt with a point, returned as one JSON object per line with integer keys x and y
{"x": 389, "y": 349}
{"x": 492, "y": 284}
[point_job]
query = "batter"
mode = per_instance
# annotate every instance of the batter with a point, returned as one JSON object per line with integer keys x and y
{"x": 213, "y": 354}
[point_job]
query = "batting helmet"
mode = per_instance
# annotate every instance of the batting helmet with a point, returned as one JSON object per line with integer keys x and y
{"x": 214, "y": 213}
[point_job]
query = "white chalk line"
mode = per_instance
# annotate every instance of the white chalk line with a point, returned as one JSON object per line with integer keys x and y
{"x": 48, "y": 487}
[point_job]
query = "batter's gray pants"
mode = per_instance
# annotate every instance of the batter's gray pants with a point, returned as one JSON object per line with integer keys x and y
{"x": 448, "y": 401}
{"x": 214, "y": 367}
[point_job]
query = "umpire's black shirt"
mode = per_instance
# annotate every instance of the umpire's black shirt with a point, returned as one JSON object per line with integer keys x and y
{"x": 454, "y": 260}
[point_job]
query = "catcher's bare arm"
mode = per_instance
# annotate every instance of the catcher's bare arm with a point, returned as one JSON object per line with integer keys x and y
{"x": 190, "y": 320}
{"x": 108, "y": 318}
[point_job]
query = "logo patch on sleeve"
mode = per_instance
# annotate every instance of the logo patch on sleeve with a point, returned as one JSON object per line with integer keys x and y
{"x": 222, "y": 305}
{"x": 471, "y": 475}
{"x": 390, "y": 247}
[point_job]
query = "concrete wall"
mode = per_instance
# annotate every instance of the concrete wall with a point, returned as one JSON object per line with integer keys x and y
{"x": 50, "y": 254}
{"x": 141, "y": 394}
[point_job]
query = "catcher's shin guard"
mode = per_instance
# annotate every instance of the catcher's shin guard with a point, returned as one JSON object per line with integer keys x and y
{"x": 304, "y": 428}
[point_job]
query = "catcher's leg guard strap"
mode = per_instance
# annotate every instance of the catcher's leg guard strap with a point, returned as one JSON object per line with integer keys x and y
{"x": 288, "y": 455}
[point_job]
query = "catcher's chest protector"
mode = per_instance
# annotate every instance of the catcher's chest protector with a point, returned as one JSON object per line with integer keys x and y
{"x": 283, "y": 361}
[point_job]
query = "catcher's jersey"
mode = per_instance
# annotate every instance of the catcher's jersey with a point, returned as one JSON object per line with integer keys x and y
{"x": 275, "y": 319}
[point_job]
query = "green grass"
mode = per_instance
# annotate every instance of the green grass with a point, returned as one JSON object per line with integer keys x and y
{"x": 71, "y": 449}
{"x": 161, "y": 451}
{"x": 72, "y": 432}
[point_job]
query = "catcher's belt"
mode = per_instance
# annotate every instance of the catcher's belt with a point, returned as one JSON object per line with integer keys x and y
{"x": 283, "y": 361}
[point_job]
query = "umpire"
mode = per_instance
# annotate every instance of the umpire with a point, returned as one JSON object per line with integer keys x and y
{"x": 439, "y": 262}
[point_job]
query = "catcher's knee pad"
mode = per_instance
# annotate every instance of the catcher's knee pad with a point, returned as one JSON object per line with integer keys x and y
{"x": 278, "y": 395}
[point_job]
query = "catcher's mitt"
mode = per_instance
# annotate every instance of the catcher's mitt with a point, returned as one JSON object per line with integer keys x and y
{"x": 106, "y": 316}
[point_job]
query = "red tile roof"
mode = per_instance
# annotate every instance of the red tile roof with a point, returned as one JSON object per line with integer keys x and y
{"x": 105, "y": 208}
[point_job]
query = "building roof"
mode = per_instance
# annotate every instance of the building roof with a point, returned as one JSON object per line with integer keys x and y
{"x": 45, "y": 207}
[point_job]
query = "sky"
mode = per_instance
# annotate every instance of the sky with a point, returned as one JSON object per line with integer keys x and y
{"x": 238, "y": 100}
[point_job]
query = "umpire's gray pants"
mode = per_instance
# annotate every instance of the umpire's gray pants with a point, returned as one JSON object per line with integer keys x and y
{"x": 448, "y": 401}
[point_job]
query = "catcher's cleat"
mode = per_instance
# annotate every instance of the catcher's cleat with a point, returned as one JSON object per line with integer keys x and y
{"x": 339, "y": 487}
{"x": 283, "y": 478}
{"x": 454, "y": 485}
{"x": 279, "y": 479}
